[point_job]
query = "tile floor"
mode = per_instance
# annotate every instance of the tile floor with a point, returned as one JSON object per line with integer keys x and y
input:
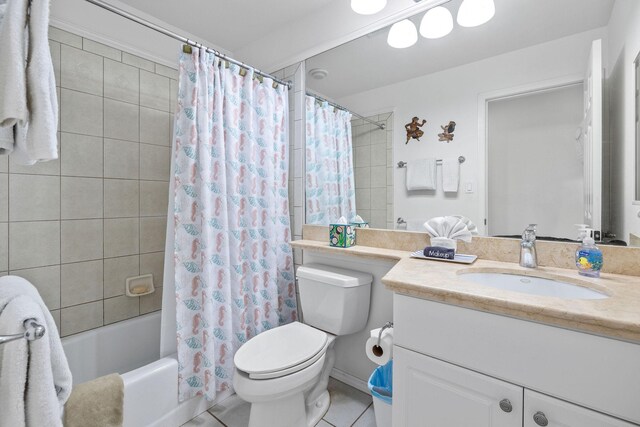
{"x": 349, "y": 408}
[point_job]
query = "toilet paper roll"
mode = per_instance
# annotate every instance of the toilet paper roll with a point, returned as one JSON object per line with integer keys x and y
{"x": 380, "y": 354}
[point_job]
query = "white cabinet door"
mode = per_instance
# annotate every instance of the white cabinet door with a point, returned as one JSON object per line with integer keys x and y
{"x": 539, "y": 408}
{"x": 430, "y": 393}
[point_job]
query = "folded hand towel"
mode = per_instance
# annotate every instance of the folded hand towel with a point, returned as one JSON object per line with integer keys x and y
{"x": 40, "y": 366}
{"x": 450, "y": 175}
{"x": 421, "y": 174}
{"x": 96, "y": 403}
{"x": 449, "y": 227}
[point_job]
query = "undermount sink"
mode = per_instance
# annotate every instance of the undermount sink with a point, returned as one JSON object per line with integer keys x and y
{"x": 532, "y": 285}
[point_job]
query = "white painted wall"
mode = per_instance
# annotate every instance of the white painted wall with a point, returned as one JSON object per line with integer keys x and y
{"x": 623, "y": 47}
{"x": 352, "y": 364}
{"x": 527, "y": 185}
{"x": 453, "y": 95}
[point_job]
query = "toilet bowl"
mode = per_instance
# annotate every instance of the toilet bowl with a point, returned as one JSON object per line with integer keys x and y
{"x": 284, "y": 372}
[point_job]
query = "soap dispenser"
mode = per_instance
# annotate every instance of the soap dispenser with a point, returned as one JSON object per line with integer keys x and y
{"x": 588, "y": 256}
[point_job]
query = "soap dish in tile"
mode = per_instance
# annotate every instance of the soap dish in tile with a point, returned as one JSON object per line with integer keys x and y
{"x": 140, "y": 285}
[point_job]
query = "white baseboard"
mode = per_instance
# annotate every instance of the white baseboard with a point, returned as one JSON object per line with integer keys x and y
{"x": 348, "y": 379}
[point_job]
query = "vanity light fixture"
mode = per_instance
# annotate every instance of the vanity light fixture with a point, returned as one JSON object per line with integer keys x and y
{"x": 475, "y": 12}
{"x": 402, "y": 34}
{"x": 436, "y": 23}
{"x": 368, "y": 7}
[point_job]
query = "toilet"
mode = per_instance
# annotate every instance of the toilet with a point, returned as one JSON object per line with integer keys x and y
{"x": 284, "y": 372}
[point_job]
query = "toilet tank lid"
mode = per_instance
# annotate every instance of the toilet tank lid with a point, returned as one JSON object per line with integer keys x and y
{"x": 334, "y": 275}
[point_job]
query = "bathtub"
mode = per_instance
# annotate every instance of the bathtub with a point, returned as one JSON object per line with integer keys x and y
{"x": 132, "y": 349}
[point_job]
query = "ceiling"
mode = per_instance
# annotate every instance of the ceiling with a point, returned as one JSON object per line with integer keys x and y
{"x": 368, "y": 62}
{"x": 231, "y": 24}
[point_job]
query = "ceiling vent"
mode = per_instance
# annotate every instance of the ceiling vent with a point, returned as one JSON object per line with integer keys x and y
{"x": 318, "y": 73}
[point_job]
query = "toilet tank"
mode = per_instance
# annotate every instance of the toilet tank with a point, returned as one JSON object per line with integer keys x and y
{"x": 335, "y": 300}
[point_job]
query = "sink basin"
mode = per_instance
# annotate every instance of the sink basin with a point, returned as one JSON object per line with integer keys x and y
{"x": 532, "y": 285}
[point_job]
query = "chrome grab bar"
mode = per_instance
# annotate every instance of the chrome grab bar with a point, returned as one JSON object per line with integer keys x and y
{"x": 33, "y": 331}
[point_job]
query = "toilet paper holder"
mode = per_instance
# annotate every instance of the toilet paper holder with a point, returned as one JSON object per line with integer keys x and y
{"x": 377, "y": 350}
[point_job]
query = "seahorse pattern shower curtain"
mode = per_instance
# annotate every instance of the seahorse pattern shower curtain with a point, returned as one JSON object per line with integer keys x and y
{"x": 233, "y": 262}
{"x": 330, "y": 185}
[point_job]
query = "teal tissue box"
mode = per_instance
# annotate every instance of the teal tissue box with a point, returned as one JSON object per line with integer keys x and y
{"x": 342, "y": 235}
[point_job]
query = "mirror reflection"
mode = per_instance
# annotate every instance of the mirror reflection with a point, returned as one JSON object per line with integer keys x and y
{"x": 505, "y": 123}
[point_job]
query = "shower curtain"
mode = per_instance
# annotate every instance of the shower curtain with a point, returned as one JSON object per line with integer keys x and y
{"x": 330, "y": 185}
{"x": 232, "y": 257}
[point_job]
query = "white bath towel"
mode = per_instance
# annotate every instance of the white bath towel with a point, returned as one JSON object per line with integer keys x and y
{"x": 13, "y": 77}
{"x": 421, "y": 174}
{"x": 28, "y": 99}
{"x": 450, "y": 175}
{"x": 35, "y": 380}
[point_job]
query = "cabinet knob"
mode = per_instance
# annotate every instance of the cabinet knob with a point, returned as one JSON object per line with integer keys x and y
{"x": 541, "y": 419}
{"x": 505, "y": 405}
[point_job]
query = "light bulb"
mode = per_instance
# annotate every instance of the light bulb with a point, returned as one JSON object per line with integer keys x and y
{"x": 402, "y": 34}
{"x": 436, "y": 23}
{"x": 475, "y": 12}
{"x": 368, "y": 7}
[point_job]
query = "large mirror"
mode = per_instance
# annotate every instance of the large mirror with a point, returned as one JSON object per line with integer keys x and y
{"x": 524, "y": 119}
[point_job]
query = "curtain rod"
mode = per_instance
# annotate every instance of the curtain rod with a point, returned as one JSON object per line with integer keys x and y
{"x": 340, "y": 107}
{"x": 184, "y": 40}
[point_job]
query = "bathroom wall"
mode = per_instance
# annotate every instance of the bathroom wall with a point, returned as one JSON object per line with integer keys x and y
{"x": 78, "y": 226}
{"x": 373, "y": 161}
{"x": 453, "y": 95}
{"x": 537, "y": 195}
{"x": 622, "y": 50}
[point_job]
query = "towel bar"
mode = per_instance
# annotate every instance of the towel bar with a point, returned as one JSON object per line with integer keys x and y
{"x": 461, "y": 159}
{"x": 33, "y": 331}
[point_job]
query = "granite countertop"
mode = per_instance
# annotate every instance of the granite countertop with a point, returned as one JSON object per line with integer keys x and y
{"x": 615, "y": 317}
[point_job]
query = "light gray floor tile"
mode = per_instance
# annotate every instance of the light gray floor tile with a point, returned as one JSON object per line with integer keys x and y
{"x": 347, "y": 404}
{"x": 368, "y": 419}
{"x": 204, "y": 420}
{"x": 232, "y": 411}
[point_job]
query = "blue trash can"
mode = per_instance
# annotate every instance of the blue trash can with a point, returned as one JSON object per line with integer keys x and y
{"x": 381, "y": 388}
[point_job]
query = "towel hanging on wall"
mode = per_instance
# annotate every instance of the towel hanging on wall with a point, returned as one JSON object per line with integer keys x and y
{"x": 421, "y": 174}
{"x": 450, "y": 175}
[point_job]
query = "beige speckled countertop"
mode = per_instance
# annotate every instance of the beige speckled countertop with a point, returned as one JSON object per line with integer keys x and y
{"x": 616, "y": 317}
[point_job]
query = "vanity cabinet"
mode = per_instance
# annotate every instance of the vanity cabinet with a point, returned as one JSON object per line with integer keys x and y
{"x": 430, "y": 392}
{"x": 457, "y": 366}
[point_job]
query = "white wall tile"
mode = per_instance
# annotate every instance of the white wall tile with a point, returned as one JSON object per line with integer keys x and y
{"x": 136, "y": 61}
{"x": 153, "y": 263}
{"x": 154, "y": 127}
{"x": 81, "y": 155}
{"x": 46, "y": 280}
{"x": 378, "y": 198}
{"x": 152, "y": 234}
{"x": 80, "y": 318}
{"x": 121, "y": 237}
{"x": 121, "y": 82}
{"x": 121, "y": 120}
{"x": 80, "y": 113}
{"x": 120, "y": 308}
{"x": 155, "y": 162}
{"x": 65, "y": 37}
{"x": 81, "y": 198}
{"x": 54, "y": 49}
{"x": 81, "y": 240}
{"x": 121, "y": 159}
{"x": 152, "y": 302}
{"x": 51, "y": 167}
{"x": 34, "y": 197}
{"x": 116, "y": 272}
{"x": 121, "y": 198}
{"x": 34, "y": 244}
{"x": 81, "y": 71}
{"x": 378, "y": 176}
{"x": 4, "y": 164}
{"x": 81, "y": 282}
{"x": 163, "y": 70}
{"x": 154, "y": 91}
{"x": 154, "y": 198}
{"x": 101, "y": 49}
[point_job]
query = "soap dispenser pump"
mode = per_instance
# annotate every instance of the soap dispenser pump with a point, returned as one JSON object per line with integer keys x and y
{"x": 588, "y": 256}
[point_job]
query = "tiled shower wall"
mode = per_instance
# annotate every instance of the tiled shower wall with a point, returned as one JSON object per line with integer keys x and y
{"x": 373, "y": 165}
{"x": 79, "y": 226}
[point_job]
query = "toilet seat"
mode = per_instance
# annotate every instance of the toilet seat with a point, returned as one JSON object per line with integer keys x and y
{"x": 281, "y": 351}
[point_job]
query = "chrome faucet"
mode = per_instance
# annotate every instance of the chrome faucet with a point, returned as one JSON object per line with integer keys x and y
{"x": 528, "y": 257}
